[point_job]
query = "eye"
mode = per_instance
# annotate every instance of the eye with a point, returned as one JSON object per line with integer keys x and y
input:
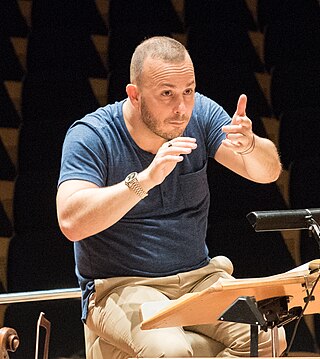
{"x": 188, "y": 92}
{"x": 166, "y": 93}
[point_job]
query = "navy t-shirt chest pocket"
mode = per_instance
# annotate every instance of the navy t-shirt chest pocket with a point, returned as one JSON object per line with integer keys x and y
{"x": 194, "y": 187}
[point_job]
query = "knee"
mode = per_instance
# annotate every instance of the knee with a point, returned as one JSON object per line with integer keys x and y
{"x": 171, "y": 347}
{"x": 224, "y": 263}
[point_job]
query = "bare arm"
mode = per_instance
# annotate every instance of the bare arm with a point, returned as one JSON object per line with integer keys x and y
{"x": 85, "y": 209}
{"x": 245, "y": 153}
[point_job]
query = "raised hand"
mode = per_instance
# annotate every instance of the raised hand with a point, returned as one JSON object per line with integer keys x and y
{"x": 240, "y": 137}
{"x": 167, "y": 157}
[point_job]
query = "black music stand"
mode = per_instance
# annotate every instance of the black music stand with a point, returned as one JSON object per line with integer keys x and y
{"x": 269, "y": 314}
{"x": 280, "y": 220}
{"x": 279, "y": 298}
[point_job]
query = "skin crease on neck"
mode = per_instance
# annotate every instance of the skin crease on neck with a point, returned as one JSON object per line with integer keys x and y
{"x": 160, "y": 108}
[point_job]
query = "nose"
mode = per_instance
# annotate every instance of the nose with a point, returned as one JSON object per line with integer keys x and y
{"x": 181, "y": 107}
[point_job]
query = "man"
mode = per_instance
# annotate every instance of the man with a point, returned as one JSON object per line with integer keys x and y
{"x": 133, "y": 196}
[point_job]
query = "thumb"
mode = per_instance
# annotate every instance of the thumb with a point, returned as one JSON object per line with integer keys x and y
{"x": 241, "y": 106}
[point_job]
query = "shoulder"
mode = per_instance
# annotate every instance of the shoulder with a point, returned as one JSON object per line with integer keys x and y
{"x": 207, "y": 110}
{"x": 203, "y": 103}
{"x": 102, "y": 117}
{"x": 101, "y": 122}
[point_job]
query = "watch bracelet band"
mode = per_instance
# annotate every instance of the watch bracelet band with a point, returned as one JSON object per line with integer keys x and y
{"x": 136, "y": 187}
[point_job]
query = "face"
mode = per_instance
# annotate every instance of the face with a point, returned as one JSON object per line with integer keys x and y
{"x": 167, "y": 97}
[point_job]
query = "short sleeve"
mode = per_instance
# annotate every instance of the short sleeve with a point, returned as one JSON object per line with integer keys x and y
{"x": 84, "y": 156}
{"x": 212, "y": 117}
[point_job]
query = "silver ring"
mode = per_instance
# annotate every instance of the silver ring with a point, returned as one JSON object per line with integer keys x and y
{"x": 169, "y": 144}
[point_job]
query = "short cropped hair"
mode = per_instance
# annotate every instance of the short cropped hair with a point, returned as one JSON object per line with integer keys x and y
{"x": 159, "y": 48}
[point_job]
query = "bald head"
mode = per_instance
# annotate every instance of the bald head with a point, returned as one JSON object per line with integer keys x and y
{"x": 161, "y": 48}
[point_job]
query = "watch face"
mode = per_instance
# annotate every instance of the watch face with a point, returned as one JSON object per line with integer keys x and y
{"x": 131, "y": 179}
{"x": 132, "y": 182}
{"x": 131, "y": 176}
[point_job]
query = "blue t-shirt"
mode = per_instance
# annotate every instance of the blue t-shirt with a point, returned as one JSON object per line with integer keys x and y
{"x": 163, "y": 234}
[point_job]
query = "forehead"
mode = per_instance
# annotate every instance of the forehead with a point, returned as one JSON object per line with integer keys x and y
{"x": 160, "y": 73}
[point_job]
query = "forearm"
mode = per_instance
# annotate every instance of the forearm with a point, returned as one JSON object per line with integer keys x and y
{"x": 89, "y": 210}
{"x": 85, "y": 209}
{"x": 262, "y": 163}
{"x": 259, "y": 164}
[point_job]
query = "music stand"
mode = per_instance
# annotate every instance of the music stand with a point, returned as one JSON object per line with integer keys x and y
{"x": 280, "y": 220}
{"x": 207, "y": 306}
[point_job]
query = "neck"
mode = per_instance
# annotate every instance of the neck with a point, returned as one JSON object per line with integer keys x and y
{"x": 142, "y": 136}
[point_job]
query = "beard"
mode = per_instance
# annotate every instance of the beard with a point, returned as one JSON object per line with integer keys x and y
{"x": 159, "y": 128}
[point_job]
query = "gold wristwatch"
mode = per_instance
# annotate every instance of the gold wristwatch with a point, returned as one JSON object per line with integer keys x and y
{"x": 132, "y": 182}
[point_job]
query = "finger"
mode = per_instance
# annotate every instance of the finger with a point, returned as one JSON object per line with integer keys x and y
{"x": 232, "y": 128}
{"x": 243, "y": 125}
{"x": 241, "y": 106}
{"x": 231, "y": 144}
{"x": 181, "y": 142}
{"x": 234, "y": 136}
{"x": 182, "y": 139}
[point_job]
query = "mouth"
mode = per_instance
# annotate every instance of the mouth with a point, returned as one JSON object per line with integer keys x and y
{"x": 177, "y": 123}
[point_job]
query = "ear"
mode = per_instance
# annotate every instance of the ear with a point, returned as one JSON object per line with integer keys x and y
{"x": 133, "y": 94}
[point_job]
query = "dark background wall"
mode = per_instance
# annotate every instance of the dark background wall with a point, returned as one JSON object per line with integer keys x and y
{"x": 62, "y": 59}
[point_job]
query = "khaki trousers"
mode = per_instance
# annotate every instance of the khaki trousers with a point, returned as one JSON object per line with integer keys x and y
{"x": 114, "y": 315}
